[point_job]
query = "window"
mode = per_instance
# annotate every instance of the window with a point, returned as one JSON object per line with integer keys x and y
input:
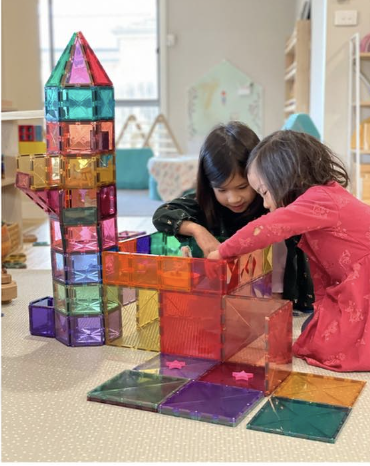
{"x": 123, "y": 35}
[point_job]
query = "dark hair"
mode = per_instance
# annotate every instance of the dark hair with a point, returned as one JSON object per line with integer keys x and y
{"x": 223, "y": 154}
{"x": 290, "y": 162}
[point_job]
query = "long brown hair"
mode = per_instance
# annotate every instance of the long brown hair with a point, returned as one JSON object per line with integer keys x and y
{"x": 223, "y": 154}
{"x": 290, "y": 162}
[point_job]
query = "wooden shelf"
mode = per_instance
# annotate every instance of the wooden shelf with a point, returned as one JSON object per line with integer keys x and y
{"x": 365, "y": 56}
{"x": 22, "y": 115}
{"x": 7, "y": 181}
{"x": 362, "y": 151}
{"x": 297, "y": 69}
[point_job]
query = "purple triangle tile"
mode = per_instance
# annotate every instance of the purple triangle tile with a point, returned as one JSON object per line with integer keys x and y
{"x": 177, "y": 366}
{"x": 79, "y": 73}
{"x": 210, "y": 402}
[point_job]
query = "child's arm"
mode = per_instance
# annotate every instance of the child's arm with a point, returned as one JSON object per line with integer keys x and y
{"x": 313, "y": 210}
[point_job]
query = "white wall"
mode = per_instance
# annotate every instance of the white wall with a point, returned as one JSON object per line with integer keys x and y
{"x": 337, "y": 71}
{"x": 250, "y": 34}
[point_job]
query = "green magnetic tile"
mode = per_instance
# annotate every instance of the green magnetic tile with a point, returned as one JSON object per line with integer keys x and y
{"x": 157, "y": 244}
{"x": 80, "y": 216}
{"x": 85, "y": 299}
{"x": 297, "y": 418}
{"x": 173, "y": 246}
{"x": 330, "y": 390}
{"x": 136, "y": 389}
{"x": 58, "y": 72}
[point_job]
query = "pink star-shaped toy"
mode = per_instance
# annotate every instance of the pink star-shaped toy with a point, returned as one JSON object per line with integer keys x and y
{"x": 175, "y": 364}
{"x": 242, "y": 375}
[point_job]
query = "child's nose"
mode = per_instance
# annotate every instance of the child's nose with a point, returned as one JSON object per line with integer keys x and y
{"x": 234, "y": 197}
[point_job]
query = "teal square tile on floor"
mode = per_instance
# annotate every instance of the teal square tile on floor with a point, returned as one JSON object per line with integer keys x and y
{"x": 297, "y": 418}
{"x": 136, "y": 389}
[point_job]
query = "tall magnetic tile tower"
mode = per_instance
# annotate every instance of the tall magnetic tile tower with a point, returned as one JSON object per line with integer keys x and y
{"x": 74, "y": 182}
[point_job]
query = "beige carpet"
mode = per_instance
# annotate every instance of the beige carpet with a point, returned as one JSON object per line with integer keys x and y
{"x": 45, "y": 415}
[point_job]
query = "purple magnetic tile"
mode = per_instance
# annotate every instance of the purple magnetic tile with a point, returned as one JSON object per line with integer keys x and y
{"x": 176, "y": 366}
{"x": 143, "y": 245}
{"x": 87, "y": 330}
{"x": 210, "y": 402}
{"x": 41, "y": 315}
{"x": 79, "y": 73}
{"x": 62, "y": 326}
{"x": 113, "y": 324}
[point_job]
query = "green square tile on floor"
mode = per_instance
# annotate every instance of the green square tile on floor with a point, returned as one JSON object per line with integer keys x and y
{"x": 297, "y": 418}
{"x": 136, "y": 389}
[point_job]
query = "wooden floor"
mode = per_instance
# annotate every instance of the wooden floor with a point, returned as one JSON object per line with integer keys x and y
{"x": 38, "y": 257}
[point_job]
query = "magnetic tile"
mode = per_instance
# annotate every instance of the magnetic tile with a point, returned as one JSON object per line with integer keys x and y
{"x": 41, "y": 317}
{"x": 210, "y": 402}
{"x": 236, "y": 375}
{"x": 136, "y": 390}
{"x": 297, "y": 418}
{"x": 321, "y": 389}
{"x": 174, "y": 365}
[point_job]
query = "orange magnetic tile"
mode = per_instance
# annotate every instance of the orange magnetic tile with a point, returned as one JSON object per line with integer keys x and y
{"x": 267, "y": 259}
{"x": 73, "y": 198}
{"x": 127, "y": 245}
{"x": 175, "y": 273}
{"x": 145, "y": 271}
{"x": 53, "y": 170}
{"x": 38, "y": 172}
{"x": 116, "y": 268}
{"x": 330, "y": 390}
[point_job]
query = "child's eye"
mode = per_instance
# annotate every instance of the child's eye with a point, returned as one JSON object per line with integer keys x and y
{"x": 220, "y": 190}
{"x": 243, "y": 187}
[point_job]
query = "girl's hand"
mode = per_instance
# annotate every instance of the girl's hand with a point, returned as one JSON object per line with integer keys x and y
{"x": 214, "y": 255}
{"x": 205, "y": 240}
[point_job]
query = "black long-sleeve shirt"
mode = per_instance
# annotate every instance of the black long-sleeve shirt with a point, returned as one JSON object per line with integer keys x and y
{"x": 297, "y": 285}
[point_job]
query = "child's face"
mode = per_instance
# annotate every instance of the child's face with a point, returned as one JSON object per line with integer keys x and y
{"x": 258, "y": 185}
{"x": 235, "y": 194}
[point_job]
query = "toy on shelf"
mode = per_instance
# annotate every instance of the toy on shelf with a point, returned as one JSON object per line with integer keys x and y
{"x": 8, "y": 286}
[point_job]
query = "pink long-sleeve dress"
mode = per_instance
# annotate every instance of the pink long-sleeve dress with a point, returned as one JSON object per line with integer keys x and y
{"x": 335, "y": 228}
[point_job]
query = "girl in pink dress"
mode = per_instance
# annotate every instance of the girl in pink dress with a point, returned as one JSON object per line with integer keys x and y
{"x": 302, "y": 183}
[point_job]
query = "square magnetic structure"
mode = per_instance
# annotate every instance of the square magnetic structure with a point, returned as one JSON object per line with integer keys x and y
{"x": 85, "y": 299}
{"x": 176, "y": 366}
{"x": 81, "y": 238}
{"x": 210, "y": 402}
{"x": 83, "y": 268}
{"x": 87, "y": 330}
{"x": 258, "y": 332}
{"x": 107, "y": 201}
{"x": 330, "y": 390}
{"x": 135, "y": 389}
{"x": 42, "y": 319}
{"x": 297, "y": 418}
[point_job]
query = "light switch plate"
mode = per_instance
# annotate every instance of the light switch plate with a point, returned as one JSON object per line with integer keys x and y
{"x": 345, "y": 18}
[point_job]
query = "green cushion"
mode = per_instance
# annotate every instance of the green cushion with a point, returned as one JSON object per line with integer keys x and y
{"x": 131, "y": 168}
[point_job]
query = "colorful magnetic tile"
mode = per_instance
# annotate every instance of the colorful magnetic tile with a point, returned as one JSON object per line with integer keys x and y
{"x": 143, "y": 244}
{"x": 208, "y": 276}
{"x": 83, "y": 268}
{"x": 107, "y": 201}
{"x": 236, "y": 375}
{"x": 87, "y": 330}
{"x": 79, "y": 70}
{"x": 297, "y": 418}
{"x": 80, "y": 216}
{"x": 145, "y": 271}
{"x": 58, "y": 72}
{"x": 330, "y": 390}
{"x": 258, "y": 288}
{"x": 130, "y": 334}
{"x": 60, "y": 297}
{"x": 108, "y": 232}
{"x": 85, "y": 299}
{"x": 116, "y": 268}
{"x": 191, "y": 324}
{"x": 127, "y": 245}
{"x": 147, "y": 307}
{"x": 98, "y": 73}
{"x": 62, "y": 328}
{"x": 56, "y": 235}
{"x": 79, "y": 172}
{"x": 41, "y": 316}
{"x": 136, "y": 390}
{"x": 210, "y": 402}
{"x": 176, "y": 366}
{"x": 175, "y": 273}
{"x": 81, "y": 238}
{"x": 127, "y": 234}
{"x": 79, "y": 198}
{"x": 106, "y": 169}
